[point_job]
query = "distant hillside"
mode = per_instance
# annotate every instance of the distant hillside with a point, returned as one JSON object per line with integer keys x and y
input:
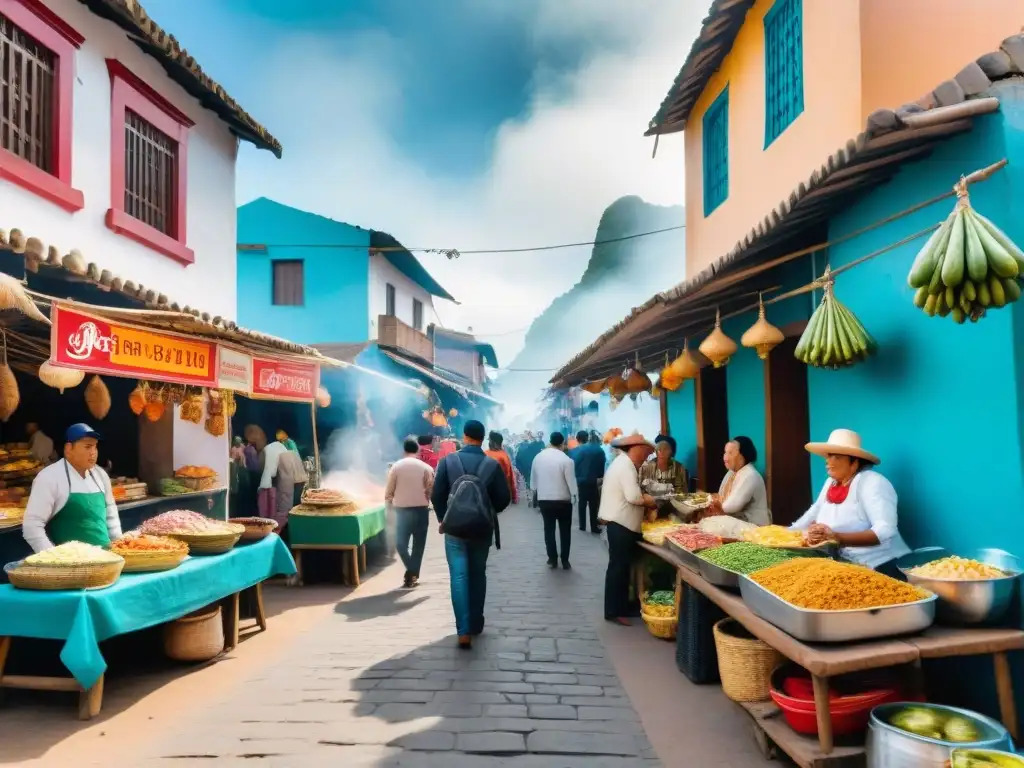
{"x": 618, "y": 277}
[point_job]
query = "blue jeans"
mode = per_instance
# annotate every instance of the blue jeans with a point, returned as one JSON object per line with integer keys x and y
{"x": 411, "y": 523}
{"x": 467, "y": 568}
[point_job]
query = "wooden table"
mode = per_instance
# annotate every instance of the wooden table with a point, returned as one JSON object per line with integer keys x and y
{"x": 823, "y": 661}
{"x": 350, "y": 566}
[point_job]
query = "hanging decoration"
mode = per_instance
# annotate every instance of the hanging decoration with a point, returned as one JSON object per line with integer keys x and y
{"x": 13, "y": 296}
{"x": 137, "y": 399}
{"x": 717, "y": 347}
{"x": 453, "y": 413}
{"x": 10, "y": 396}
{"x": 435, "y": 417}
{"x": 155, "y": 406}
{"x": 97, "y": 397}
{"x": 636, "y": 380}
{"x": 669, "y": 379}
{"x": 323, "y": 397}
{"x": 686, "y": 366}
{"x": 834, "y": 338}
{"x": 215, "y": 423}
{"x": 58, "y": 377}
{"x": 595, "y": 387}
{"x": 762, "y": 335}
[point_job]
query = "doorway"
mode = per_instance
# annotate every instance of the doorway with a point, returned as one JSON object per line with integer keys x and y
{"x": 787, "y": 463}
{"x": 712, "y": 427}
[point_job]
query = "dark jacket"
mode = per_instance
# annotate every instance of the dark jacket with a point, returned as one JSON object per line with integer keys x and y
{"x": 589, "y": 459}
{"x": 473, "y": 458}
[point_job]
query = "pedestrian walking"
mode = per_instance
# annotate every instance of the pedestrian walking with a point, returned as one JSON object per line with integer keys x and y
{"x": 589, "y": 459}
{"x": 427, "y": 454}
{"x": 623, "y": 507}
{"x": 469, "y": 493}
{"x": 500, "y": 455}
{"x": 410, "y": 481}
{"x": 553, "y": 478}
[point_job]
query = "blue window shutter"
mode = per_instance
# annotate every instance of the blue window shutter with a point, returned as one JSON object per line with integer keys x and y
{"x": 716, "y": 152}
{"x": 783, "y": 67}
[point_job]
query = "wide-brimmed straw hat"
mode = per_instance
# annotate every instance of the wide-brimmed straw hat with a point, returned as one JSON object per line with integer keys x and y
{"x": 844, "y": 442}
{"x": 629, "y": 441}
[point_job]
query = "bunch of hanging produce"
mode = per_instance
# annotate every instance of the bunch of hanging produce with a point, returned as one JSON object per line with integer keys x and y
{"x": 834, "y": 338}
{"x": 216, "y": 423}
{"x": 967, "y": 266}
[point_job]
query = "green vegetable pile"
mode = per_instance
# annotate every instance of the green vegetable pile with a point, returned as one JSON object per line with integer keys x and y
{"x": 935, "y": 724}
{"x": 661, "y": 597}
{"x": 744, "y": 557}
{"x": 171, "y": 487}
{"x": 985, "y": 758}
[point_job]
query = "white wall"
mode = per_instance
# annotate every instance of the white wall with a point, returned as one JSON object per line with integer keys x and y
{"x": 383, "y": 272}
{"x": 209, "y": 283}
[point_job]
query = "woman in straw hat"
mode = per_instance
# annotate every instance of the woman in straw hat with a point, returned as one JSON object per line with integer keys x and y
{"x": 857, "y": 506}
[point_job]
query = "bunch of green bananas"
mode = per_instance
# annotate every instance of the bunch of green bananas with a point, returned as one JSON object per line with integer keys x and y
{"x": 834, "y": 337}
{"x": 967, "y": 266}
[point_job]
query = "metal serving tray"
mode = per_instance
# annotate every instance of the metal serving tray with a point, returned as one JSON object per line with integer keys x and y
{"x": 837, "y": 626}
{"x": 720, "y": 577}
{"x": 689, "y": 559}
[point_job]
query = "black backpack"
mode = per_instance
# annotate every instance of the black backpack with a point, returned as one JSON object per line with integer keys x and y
{"x": 470, "y": 514}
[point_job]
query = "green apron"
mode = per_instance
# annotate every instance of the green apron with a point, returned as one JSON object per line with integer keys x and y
{"x": 82, "y": 518}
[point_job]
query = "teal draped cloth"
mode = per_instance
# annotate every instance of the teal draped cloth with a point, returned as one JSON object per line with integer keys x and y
{"x": 83, "y": 619}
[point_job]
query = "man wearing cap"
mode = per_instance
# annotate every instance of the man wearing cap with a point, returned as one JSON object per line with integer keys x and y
{"x": 623, "y": 507}
{"x": 72, "y": 500}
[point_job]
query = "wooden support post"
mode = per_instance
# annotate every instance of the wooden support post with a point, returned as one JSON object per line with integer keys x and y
{"x": 231, "y": 611}
{"x": 1004, "y": 690}
{"x": 362, "y": 555}
{"x": 824, "y": 715}
{"x": 355, "y": 565}
{"x": 297, "y": 556}
{"x": 261, "y": 613}
{"x": 316, "y": 446}
{"x": 90, "y": 702}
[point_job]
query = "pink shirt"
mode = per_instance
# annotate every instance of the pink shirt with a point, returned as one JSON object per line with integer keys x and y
{"x": 409, "y": 483}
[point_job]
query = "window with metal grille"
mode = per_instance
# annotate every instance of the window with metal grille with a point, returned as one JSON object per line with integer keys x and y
{"x": 289, "y": 290}
{"x": 783, "y": 67}
{"x": 417, "y": 314}
{"x": 28, "y": 75}
{"x": 150, "y": 173}
{"x": 716, "y": 152}
{"x": 389, "y": 299}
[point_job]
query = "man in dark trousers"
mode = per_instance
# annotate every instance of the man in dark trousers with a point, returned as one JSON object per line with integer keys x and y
{"x": 467, "y": 558}
{"x": 553, "y": 479}
{"x": 589, "y": 459}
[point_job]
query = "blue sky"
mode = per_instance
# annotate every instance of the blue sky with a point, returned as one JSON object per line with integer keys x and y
{"x": 453, "y": 123}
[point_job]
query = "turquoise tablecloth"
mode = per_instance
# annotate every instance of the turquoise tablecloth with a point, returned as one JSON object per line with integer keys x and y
{"x": 83, "y": 619}
{"x": 354, "y": 529}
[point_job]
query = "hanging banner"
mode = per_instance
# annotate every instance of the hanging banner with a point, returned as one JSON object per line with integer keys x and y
{"x": 88, "y": 343}
{"x": 234, "y": 370}
{"x": 280, "y": 380}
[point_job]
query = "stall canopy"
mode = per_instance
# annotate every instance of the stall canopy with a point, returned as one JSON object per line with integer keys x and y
{"x": 438, "y": 377}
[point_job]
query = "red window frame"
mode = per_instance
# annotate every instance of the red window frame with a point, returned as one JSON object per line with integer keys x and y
{"x": 38, "y": 21}
{"x": 128, "y": 91}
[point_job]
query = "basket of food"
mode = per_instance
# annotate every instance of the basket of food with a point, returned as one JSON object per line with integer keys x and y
{"x": 11, "y": 516}
{"x": 72, "y": 565}
{"x": 144, "y": 553}
{"x": 204, "y": 535}
{"x": 256, "y": 528}
{"x": 658, "y": 610}
{"x": 326, "y": 497}
{"x": 196, "y": 478}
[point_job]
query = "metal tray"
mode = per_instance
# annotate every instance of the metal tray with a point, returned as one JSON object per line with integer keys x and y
{"x": 689, "y": 559}
{"x": 837, "y": 626}
{"x": 720, "y": 577}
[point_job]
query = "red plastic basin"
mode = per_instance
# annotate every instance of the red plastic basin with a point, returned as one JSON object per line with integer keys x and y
{"x": 849, "y": 714}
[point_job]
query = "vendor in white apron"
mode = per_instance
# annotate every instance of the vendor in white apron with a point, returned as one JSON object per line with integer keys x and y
{"x": 71, "y": 500}
{"x": 857, "y": 506}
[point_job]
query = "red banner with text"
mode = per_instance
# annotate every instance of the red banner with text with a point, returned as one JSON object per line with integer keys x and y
{"x": 281, "y": 380}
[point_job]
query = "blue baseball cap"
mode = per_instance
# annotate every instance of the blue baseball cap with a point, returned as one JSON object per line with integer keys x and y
{"x": 77, "y": 431}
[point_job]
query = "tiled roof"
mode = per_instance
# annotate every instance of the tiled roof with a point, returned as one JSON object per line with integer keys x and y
{"x": 717, "y": 34}
{"x": 891, "y": 138}
{"x": 182, "y": 68}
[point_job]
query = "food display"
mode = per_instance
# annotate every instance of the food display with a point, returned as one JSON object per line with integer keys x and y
{"x": 984, "y": 758}
{"x": 958, "y": 569}
{"x": 824, "y": 585}
{"x": 325, "y": 496}
{"x": 661, "y": 604}
{"x": 72, "y": 553}
{"x": 774, "y": 536}
{"x": 654, "y": 531}
{"x": 183, "y": 521}
{"x": 11, "y": 516}
{"x": 145, "y": 553}
{"x": 72, "y": 565}
{"x": 693, "y": 539}
{"x": 744, "y": 557}
{"x": 255, "y": 527}
{"x": 128, "y": 489}
{"x": 19, "y": 471}
{"x": 726, "y": 526}
{"x": 936, "y": 724}
{"x": 834, "y": 338}
{"x": 196, "y": 478}
{"x": 172, "y": 487}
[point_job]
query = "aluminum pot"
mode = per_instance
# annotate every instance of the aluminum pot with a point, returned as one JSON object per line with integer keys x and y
{"x": 975, "y": 601}
{"x": 1005, "y": 758}
{"x": 891, "y": 747}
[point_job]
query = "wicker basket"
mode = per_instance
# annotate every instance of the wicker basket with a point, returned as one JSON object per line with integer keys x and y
{"x": 196, "y": 637}
{"x": 256, "y": 528}
{"x": 61, "y": 577}
{"x": 745, "y": 663}
{"x": 210, "y": 543}
{"x": 695, "y": 640}
{"x": 198, "y": 483}
{"x": 662, "y": 627}
{"x": 151, "y": 562}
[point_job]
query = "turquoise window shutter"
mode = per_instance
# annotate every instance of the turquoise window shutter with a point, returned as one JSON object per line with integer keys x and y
{"x": 716, "y": 152}
{"x": 783, "y": 67}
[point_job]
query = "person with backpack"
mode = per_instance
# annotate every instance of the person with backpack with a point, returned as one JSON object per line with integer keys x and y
{"x": 469, "y": 492}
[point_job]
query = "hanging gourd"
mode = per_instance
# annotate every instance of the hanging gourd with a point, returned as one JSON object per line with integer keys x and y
{"x": 686, "y": 366}
{"x": 97, "y": 398}
{"x": 10, "y": 397}
{"x": 59, "y": 377}
{"x": 137, "y": 399}
{"x": 668, "y": 380}
{"x": 323, "y": 397}
{"x": 762, "y": 335}
{"x": 718, "y": 347}
{"x": 594, "y": 387}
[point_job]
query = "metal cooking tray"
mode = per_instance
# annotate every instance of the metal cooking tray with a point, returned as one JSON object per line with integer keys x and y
{"x": 689, "y": 559}
{"x": 720, "y": 577}
{"x": 837, "y": 626}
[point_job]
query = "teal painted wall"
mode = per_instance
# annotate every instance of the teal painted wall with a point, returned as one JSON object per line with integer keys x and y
{"x": 682, "y": 424}
{"x": 336, "y": 280}
{"x": 744, "y": 382}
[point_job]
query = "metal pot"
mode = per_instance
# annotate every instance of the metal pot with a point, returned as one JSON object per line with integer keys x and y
{"x": 891, "y": 747}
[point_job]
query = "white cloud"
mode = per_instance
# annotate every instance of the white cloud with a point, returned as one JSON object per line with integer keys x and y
{"x": 552, "y": 172}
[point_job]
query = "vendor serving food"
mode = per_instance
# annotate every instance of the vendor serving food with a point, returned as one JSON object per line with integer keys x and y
{"x": 663, "y": 469}
{"x": 857, "y": 506}
{"x": 72, "y": 500}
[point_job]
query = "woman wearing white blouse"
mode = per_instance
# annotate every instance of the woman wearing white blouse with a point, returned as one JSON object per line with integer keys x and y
{"x": 856, "y": 507}
{"x": 742, "y": 494}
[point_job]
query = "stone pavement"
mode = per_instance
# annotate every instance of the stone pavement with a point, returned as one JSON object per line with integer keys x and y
{"x": 381, "y": 683}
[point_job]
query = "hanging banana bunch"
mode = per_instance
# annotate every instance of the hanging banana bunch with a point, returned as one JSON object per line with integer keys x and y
{"x": 834, "y": 338}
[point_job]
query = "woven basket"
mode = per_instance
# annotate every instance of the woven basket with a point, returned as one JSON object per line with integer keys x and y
{"x": 210, "y": 543}
{"x": 196, "y": 637}
{"x": 745, "y": 663}
{"x": 337, "y": 510}
{"x": 256, "y": 528}
{"x": 151, "y": 562}
{"x": 695, "y": 640}
{"x": 662, "y": 627}
{"x": 61, "y": 577}
{"x": 198, "y": 483}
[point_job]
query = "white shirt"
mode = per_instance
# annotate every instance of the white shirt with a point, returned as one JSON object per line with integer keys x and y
{"x": 870, "y": 506}
{"x": 748, "y": 499}
{"x": 50, "y": 491}
{"x": 41, "y": 447}
{"x": 553, "y": 476}
{"x": 271, "y": 458}
{"x": 622, "y": 501}
{"x": 409, "y": 483}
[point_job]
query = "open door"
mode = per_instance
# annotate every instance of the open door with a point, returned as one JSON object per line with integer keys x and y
{"x": 788, "y": 465}
{"x": 712, "y": 427}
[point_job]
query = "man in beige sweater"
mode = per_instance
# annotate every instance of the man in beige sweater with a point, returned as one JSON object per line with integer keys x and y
{"x": 408, "y": 494}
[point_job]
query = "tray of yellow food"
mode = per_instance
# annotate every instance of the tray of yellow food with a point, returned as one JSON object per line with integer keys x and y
{"x": 73, "y": 565}
{"x": 143, "y": 553}
{"x": 11, "y": 515}
{"x": 780, "y": 537}
{"x": 654, "y": 531}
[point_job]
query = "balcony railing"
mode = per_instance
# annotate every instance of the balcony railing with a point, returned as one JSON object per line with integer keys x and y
{"x": 392, "y": 332}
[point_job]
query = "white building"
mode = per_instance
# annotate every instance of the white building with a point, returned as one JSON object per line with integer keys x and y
{"x": 115, "y": 143}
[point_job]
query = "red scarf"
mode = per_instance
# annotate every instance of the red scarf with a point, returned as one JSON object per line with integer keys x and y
{"x": 837, "y": 493}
